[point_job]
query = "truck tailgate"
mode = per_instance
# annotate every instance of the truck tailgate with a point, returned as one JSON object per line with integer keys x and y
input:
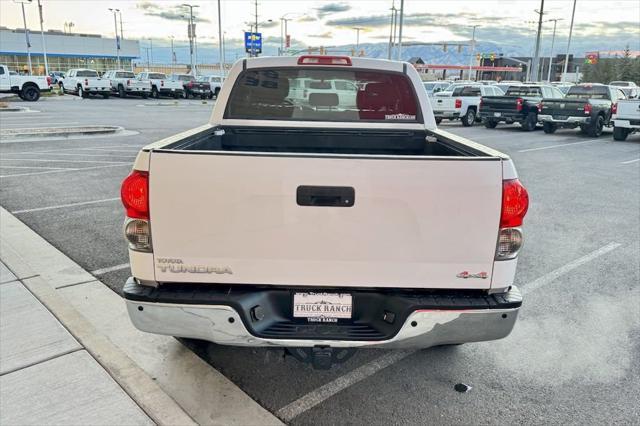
{"x": 234, "y": 218}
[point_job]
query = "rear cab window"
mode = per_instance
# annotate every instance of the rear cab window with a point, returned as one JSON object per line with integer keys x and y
{"x": 323, "y": 94}
{"x": 591, "y": 92}
{"x": 466, "y": 91}
{"x": 156, "y": 76}
{"x": 86, "y": 73}
{"x": 523, "y": 91}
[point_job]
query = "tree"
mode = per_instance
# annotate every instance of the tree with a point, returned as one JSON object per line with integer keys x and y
{"x": 624, "y": 66}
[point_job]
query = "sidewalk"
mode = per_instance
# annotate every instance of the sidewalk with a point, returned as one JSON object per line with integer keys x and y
{"x": 70, "y": 355}
{"x": 46, "y": 376}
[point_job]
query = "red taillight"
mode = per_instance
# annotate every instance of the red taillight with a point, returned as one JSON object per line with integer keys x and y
{"x": 190, "y": 84}
{"x": 324, "y": 60}
{"x": 614, "y": 108}
{"x": 458, "y": 103}
{"x": 519, "y": 103}
{"x": 515, "y": 203}
{"x": 86, "y": 81}
{"x": 587, "y": 109}
{"x": 161, "y": 83}
{"x": 480, "y": 104}
{"x": 540, "y": 107}
{"x": 128, "y": 82}
{"x": 135, "y": 195}
{"x": 48, "y": 81}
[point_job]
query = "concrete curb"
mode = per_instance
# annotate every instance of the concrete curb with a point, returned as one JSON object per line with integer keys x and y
{"x": 56, "y": 132}
{"x": 169, "y": 382}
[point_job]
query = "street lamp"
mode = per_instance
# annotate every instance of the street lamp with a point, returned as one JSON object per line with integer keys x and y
{"x": 358, "y": 29}
{"x": 151, "y": 48}
{"x": 115, "y": 23}
{"x": 566, "y": 57}
{"x": 473, "y": 50}
{"x": 26, "y": 31}
{"x": 191, "y": 34}
{"x": 553, "y": 39}
{"x": 173, "y": 53}
{"x": 284, "y": 19}
{"x": 44, "y": 45}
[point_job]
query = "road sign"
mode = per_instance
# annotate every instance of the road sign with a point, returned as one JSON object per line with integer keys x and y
{"x": 592, "y": 58}
{"x": 287, "y": 42}
{"x": 252, "y": 42}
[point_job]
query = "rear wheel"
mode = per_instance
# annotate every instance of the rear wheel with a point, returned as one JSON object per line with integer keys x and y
{"x": 529, "y": 123}
{"x": 620, "y": 133}
{"x": 596, "y": 127}
{"x": 145, "y": 95}
{"x": 30, "y": 93}
{"x": 469, "y": 118}
{"x": 82, "y": 93}
{"x": 186, "y": 94}
{"x": 438, "y": 120}
{"x": 105, "y": 96}
{"x": 154, "y": 92}
{"x": 216, "y": 93}
{"x": 549, "y": 127}
{"x": 176, "y": 95}
{"x": 490, "y": 124}
{"x": 121, "y": 92}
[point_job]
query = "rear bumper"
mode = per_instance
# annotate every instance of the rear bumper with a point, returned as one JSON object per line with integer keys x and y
{"x": 628, "y": 124}
{"x": 392, "y": 320}
{"x": 446, "y": 114}
{"x": 569, "y": 120}
{"x": 508, "y": 116}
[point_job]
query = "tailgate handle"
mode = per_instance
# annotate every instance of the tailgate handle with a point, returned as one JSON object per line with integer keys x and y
{"x": 325, "y": 196}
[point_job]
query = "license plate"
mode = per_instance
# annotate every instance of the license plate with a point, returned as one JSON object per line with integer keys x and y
{"x": 497, "y": 114}
{"x": 561, "y": 117}
{"x": 322, "y": 307}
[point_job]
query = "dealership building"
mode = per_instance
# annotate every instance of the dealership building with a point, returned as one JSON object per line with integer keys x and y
{"x": 64, "y": 51}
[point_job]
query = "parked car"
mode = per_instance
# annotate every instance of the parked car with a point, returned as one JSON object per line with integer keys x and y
{"x": 161, "y": 85}
{"x": 629, "y": 88}
{"x": 304, "y": 92}
{"x": 463, "y": 104}
{"x": 124, "y": 83}
{"x": 319, "y": 229}
{"x": 518, "y": 105}
{"x": 588, "y": 106}
{"x": 433, "y": 87}
{"x": 192, "y": 87}
{"x": 27, "y": 87}
{"x": 626, "y": 118}
{"x": 85, "y": 82}
{"x": 215, "y": 83}
{"x": 57, "y": 77}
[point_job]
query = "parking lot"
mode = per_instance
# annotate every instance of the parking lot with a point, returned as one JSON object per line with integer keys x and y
{"x": 572, "y": 358}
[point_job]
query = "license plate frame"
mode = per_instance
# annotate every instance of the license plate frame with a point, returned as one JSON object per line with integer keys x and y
{"x": 320, "y": 306}
{"x": 497, "y": 114}
{"x": 562, "y": 117}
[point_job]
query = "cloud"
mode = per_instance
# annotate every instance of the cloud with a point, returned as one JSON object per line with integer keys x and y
{"x": 331, "y": 8}
{"x": 172, "y": 13}
{"x": 307, "y": 18}
{"x": 326, "y": 34}
{"x": 271, "y": 24}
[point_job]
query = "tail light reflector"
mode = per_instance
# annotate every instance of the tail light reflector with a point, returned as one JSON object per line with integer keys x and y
{"x": 480, "y": 104}
{"x": 587, "y": 109}
{"x": 48, "y": 80}
{"x": 135, "y": 195}
{"x": 458, "y": 103}
{"x": 519, "y": 103}
{"x": 128, "y": 82}
{"x": 324, "y": 60}
{"x": 515, "y": 203}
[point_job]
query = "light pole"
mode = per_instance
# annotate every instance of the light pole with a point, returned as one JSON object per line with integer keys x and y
{"x": 400, "y": 30}
{"x": 566, "y": 57}
{"x": 392, "y": 30}
{"x": 283, "y": 36}
{"x": 536, "y": 58}
{"x": 473, "y": 49}
{"x": 553, "y": 40}
{"x": 121, "y": 33}
{"x": 44, "y": 45}
{"x": 151, "y": 48}
{"x": 26, "y": 32}
{"x": 220, "y": 44}
{"x": 115, "y": 23}
{"x": 358, "y": 29}
{"x": 191, "y": 34}
{"x": 173, "y": 53}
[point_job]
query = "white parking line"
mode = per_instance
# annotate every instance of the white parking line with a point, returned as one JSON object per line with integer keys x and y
{"x": 557, "y": 146}
{"x": 110, "y": 269}
{"x": 46, "y": 160}
{"x": 324, "y": 392}
{"x": 33, "y": 167}
{"x": 66, "y": 170}
{"x": 80, "y": 154}
{"x": 61, "y": 206}
{"x": 631, "y": 161}
{"x": 80, "y": 149}
{"x": 39, "y": 125}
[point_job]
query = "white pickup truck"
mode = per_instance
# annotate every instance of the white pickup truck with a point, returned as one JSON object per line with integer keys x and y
{"x": 27, "y": 87}
{"x": 85, "y": 82}
{"x": 161, "y": 85}
{"x": 321, "y": 227}
{"x": 463, "y": 103}
{"x": 125, "y": 83}
{"x": 626, "y": 118}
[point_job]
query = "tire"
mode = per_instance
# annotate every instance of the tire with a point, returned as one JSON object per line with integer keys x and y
{"x": 490, "y": 124}
{"x": 105, "y": 96}
{"x": 176, "y": 95}
{"x": 529, "y": 123}
{"x": 595, "y": 129}
{"x": 121, "y": 92}
{"x": 30, "y": 93}
{"x": 210, "y": 96}
{"x": 620, "y": 133}
{"x": 186, "y": 94}
{"x": 155, "y": 93}
{"x": 145, "y": 96}
{"x": 203, "y": 97}
{"x": 62, "y": 88}
{"x": 216, "y": 92}
{"x": 549, "y": 127}
{"x": 82, "y": 93}
{"x": 438, "y": 120}
{"x": 469, "y": 118}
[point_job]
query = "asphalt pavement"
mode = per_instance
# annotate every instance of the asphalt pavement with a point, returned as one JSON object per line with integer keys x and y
{"x": 573, "y": 356}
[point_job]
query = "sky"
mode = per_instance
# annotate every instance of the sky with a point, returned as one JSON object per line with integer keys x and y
{"x": 327, "y": 23}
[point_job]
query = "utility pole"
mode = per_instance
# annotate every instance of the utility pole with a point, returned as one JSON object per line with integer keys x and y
{"x": 566, "y": 57}
{"x": 151, "y": 48}
{"x": 121, "y": 33}
{"x": 192, "y": 35}
{"x": 26, "y": 32}
{"x": 44, "y": 45}
{"x": 283, "y": 35}
{"x": 220, "y": 44}
{"x": 473, "y": 49}
{"x": 534, "y": 76}
{"x": 392, "y": 31}
{"x": 553, "y": 40}
{"x": 400, "y": 30}
{"x": 358, "y": 29}
{"x": 173, "y": 52}
{"x": 115, "y": 24}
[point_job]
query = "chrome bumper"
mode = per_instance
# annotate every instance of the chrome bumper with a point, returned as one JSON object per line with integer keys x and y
{"x": 446, "y": 114}
{"x": 571, "y": 120}
{"x": 423, "y": 328}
